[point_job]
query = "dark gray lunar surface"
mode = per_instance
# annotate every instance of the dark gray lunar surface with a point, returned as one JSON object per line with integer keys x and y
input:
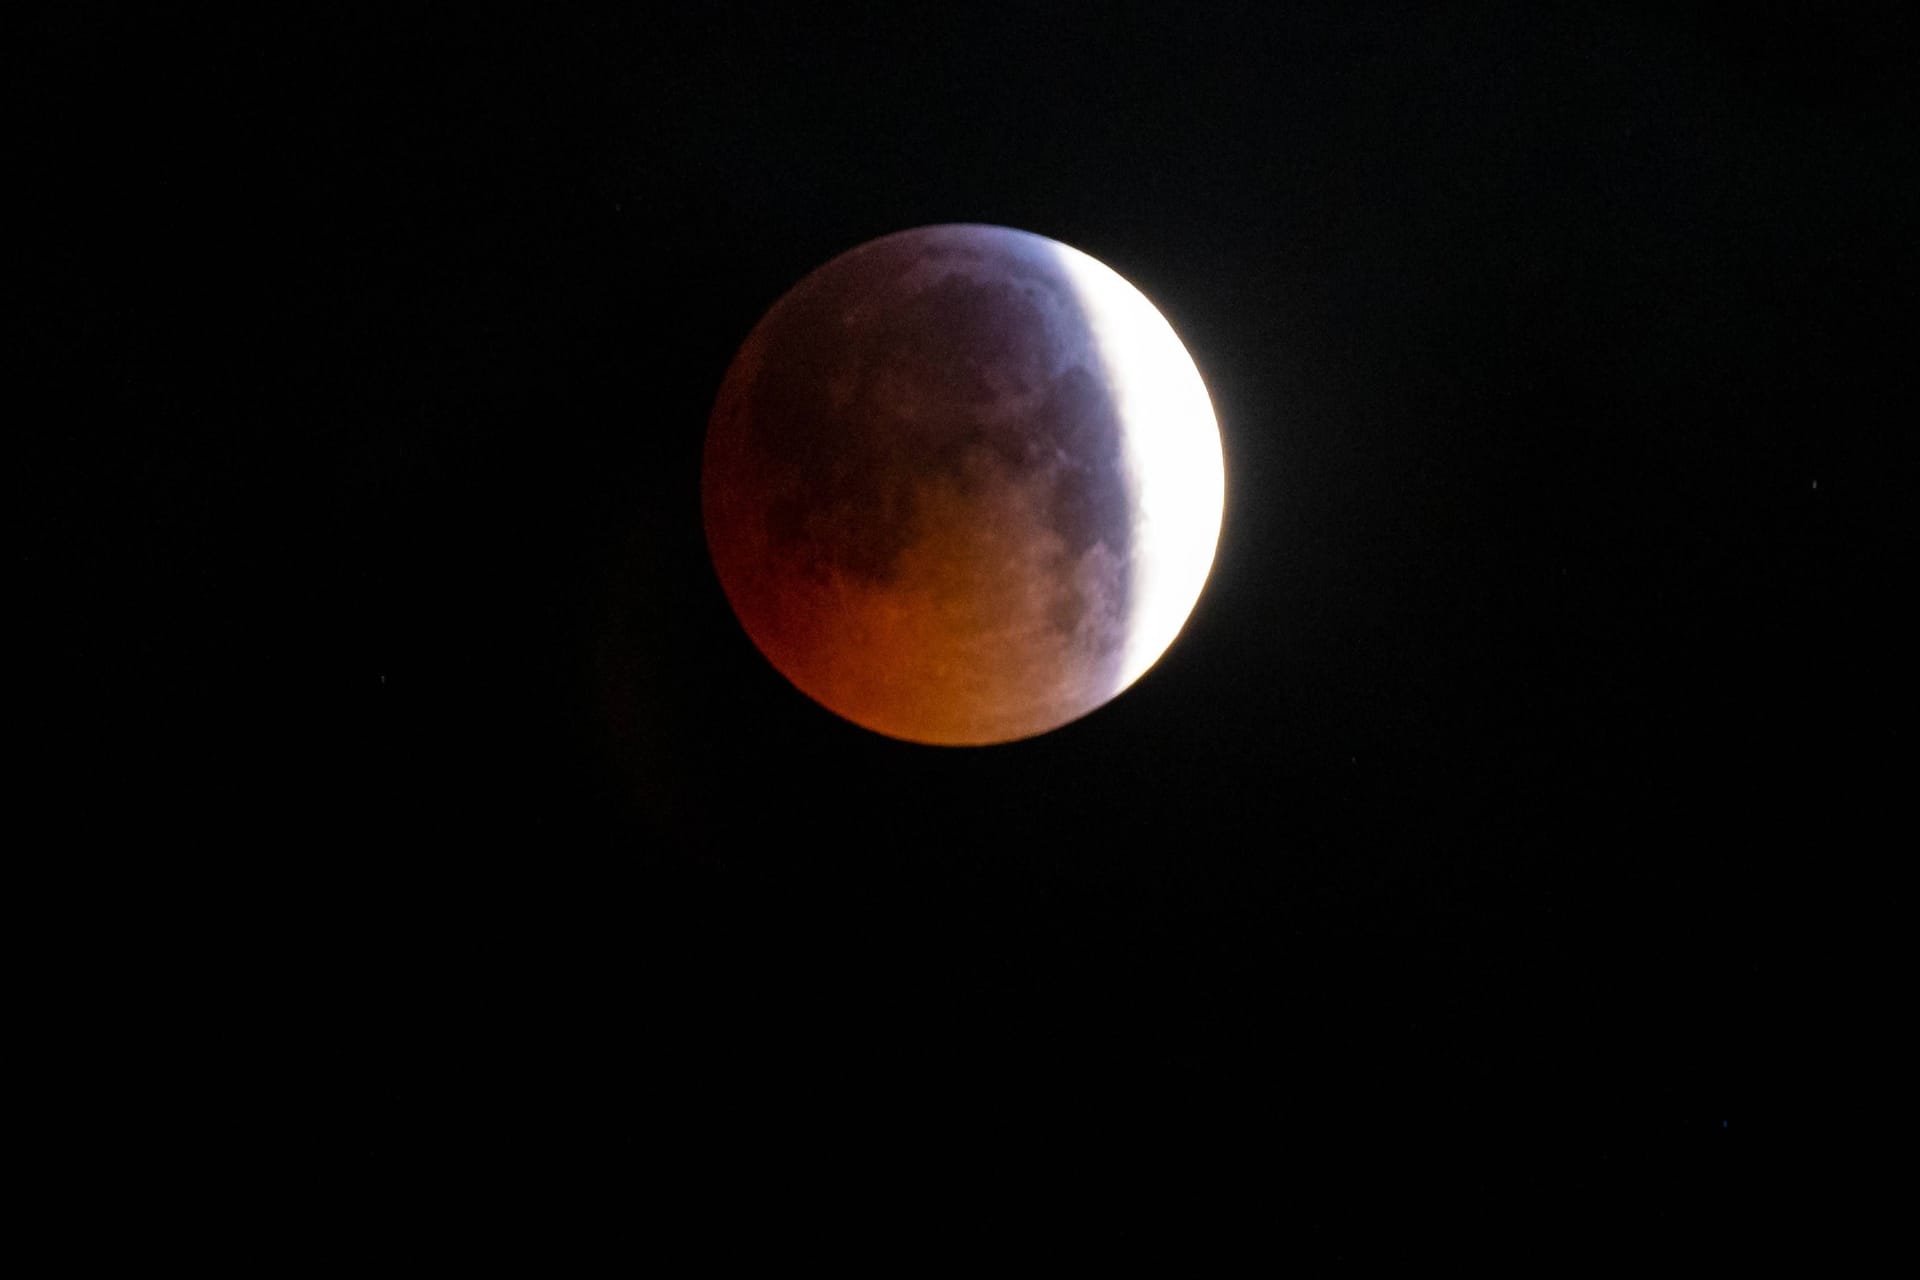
{"x": 916, "y": 491}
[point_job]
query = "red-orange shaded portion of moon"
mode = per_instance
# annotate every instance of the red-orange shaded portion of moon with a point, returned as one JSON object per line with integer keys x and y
{"x": 961, "y": 485}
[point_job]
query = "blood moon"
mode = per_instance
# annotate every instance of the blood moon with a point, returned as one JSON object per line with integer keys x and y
{"x": 962, "y": 485}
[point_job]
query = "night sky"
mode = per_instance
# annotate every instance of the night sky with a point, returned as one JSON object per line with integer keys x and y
{"x": 1459, "y": 859}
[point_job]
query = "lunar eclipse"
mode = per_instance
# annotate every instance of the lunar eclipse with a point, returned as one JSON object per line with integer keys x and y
{"x": 962, "y": 485}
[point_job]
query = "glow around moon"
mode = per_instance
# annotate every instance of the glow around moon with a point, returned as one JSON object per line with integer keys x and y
{"x": 962, "y": 485}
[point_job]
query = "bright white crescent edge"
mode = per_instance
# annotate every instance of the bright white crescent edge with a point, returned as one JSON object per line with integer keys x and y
{"x": 1172, "y": 443}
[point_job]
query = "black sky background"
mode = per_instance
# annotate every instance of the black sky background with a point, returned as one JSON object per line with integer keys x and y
{"x": 1464, "y": 847}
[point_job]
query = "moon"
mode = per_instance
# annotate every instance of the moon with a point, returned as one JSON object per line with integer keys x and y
{"x": 962, "y": 485}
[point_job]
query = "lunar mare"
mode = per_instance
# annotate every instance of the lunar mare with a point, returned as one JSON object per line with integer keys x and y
{"x": 962, "y": 485}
